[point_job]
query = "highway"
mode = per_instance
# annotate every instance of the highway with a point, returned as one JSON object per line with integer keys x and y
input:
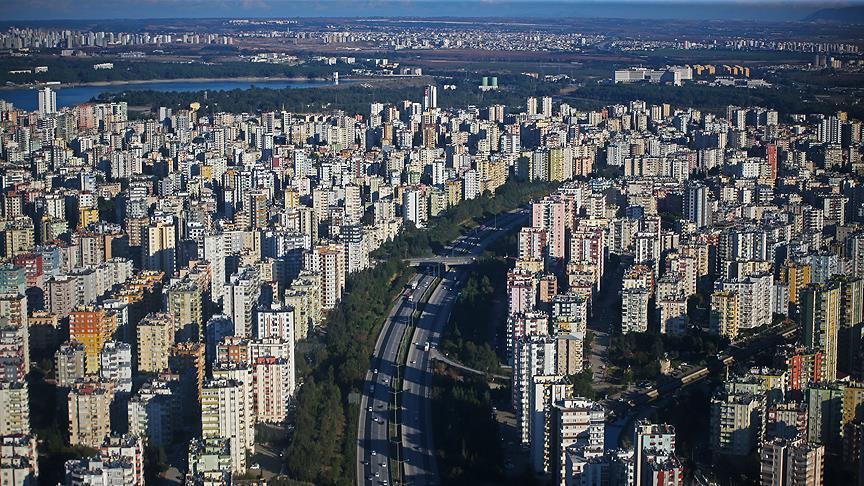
{"x": 420, "y": 467}
{"x": 373, "y": 445}
{"x": 417, "y": 435}
{"x": 417, "y": 448}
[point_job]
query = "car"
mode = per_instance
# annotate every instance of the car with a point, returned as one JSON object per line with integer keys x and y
{"x": 375, "y": 371}
{"x": 383, "y": 464}
{"x": 377, "y": 474}
{"x": 370, "y": 478}
{"x": 374, "y": 453}
{"x": 413, "y": 361}
{"x": 369, "y": 409}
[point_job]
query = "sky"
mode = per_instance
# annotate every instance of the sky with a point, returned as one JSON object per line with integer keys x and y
{"x": 11, "y": 10}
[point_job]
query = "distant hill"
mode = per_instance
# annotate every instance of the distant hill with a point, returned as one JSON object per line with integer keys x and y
{"x": 847, "y": 15}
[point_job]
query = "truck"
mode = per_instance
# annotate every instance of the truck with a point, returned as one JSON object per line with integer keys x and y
{"x": 412, "y": 285}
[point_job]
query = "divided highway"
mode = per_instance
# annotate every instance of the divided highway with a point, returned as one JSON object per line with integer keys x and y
{"x": 373, "y": 443}
{"x": 416, "y": 437}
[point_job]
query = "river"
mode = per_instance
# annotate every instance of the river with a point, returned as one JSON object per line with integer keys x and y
{"x": 27, "y": 98}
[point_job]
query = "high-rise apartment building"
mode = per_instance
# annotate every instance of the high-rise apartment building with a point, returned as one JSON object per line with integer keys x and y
{"x": 70, "y": 363}
{"x": 329, "y": 262}
{"x": 736, "y": 421}
{"x": 47, "y": 101}
{"x": 532, "y": 356}
{"x": 275, "y": 322}
{"x": 820, "y": 318}
{"x": 791, "y": 462}
{"x": 634, "y": 310}
{"x": 159, "y": 247}
{"x": 549, "y": 214}
{"x": 654, "y": 456}
{"x": 226, "y": 414}
{"x": 430, "y": 97}
{"x": 89, "y": 405}
{"x": 92, "y": 327}
{"x": 724, "y": 318}
{"x": 116, "y": 365}
{"x": 184, "y": 302}
{"x": 272, "y": 388}
{"x": 240, "y": 299}
{"x": 155, "y": 337}
{"x": 154, "y": 412}
{"x": 415, "y": 206}
{"x": 576, "y": 423}
{"x": 697, "y": 205}
{"x": 545, "y": 392}
{"x": 15, "y": 405}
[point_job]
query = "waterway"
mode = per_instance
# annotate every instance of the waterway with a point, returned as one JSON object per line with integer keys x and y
{"x": 27, "y": 98}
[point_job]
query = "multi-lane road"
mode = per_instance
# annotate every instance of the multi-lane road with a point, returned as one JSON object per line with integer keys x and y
{"x": 374, "y": 448}
{"x": 418, "y": 452}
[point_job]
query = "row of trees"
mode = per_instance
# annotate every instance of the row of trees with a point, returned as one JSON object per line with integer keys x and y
{"x": 321, "y": 449}
{"x": 466, "y": 433}
{"x": 351, "y": 97}
{"x": 642, "y": 351}
{"x": 71, "y": 70}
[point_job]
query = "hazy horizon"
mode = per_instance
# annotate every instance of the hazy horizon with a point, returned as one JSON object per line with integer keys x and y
{"x": 43, "y": 10}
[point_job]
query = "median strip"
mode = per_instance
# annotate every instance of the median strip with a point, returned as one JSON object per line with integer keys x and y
{"x": 395, "y": 422}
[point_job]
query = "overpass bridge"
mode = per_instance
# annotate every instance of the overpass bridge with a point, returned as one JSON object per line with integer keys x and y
{"x": 447, "y": 262}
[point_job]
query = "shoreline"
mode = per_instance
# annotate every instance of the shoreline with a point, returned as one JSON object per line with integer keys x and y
{"x": 247, "y": 79}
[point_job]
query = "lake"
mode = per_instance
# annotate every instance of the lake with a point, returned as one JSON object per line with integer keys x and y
{"x": 27, "y": 99}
